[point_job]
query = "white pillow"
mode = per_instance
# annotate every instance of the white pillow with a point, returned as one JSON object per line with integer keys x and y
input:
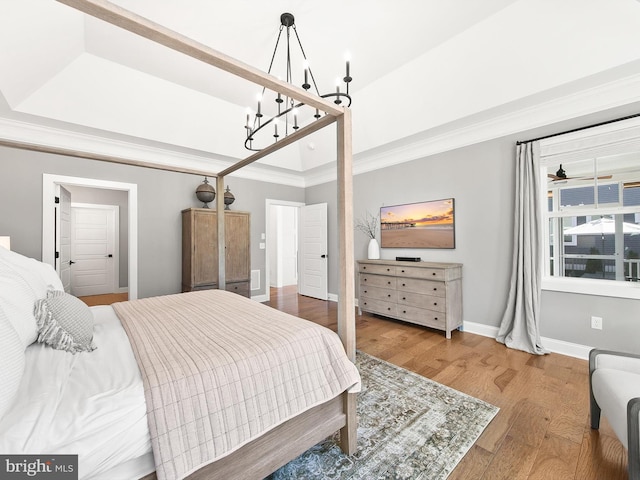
{"x": 12, "y": 360}
{"x": 24, "y": 280}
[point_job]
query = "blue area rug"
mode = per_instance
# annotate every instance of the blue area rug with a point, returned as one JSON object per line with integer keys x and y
{"x": 409, "y": 427}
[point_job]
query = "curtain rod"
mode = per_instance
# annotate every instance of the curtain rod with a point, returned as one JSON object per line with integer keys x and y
{"x": 519, "y": 142}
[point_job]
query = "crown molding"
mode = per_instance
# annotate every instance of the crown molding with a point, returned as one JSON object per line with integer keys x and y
{"x": 613, "y": 94}
{"x": 40, "y": 136}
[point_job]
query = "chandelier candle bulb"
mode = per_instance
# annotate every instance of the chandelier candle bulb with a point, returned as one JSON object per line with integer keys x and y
{"x": 259, "y": 112}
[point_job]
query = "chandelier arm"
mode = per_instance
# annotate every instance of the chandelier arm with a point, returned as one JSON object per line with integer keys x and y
{"x": 249, "y": 139}
{"x": 275, "y": 50}
{"x": 304, "y": 55}
{"x": 289, "y": 78}
{"x": 303, "y": 132}
{"x": 338, "y": 95}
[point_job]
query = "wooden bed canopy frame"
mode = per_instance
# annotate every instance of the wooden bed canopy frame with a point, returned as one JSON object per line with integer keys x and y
{"x": 280, "y": 445}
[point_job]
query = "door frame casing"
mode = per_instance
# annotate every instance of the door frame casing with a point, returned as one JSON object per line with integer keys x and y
{"x": 267, "y": 268}
{"x": 115, "y": 209}
{"x": 49, "y": 182}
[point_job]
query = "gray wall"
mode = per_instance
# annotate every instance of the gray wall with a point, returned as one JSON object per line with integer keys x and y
{"x": 161, "y": 197}
{"x": 481, "y": 179}
{"x": 103, "y": 196}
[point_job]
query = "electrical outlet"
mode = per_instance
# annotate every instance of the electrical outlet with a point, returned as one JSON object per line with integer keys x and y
{"x": 596, "y": 322}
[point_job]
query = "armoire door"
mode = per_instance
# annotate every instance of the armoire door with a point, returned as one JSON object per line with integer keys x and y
{"x": 237, "y": 256}
{"x": 205, "y": 241}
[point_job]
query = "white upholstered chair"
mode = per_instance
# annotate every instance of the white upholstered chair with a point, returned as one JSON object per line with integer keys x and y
{"x": 614, "y": 387}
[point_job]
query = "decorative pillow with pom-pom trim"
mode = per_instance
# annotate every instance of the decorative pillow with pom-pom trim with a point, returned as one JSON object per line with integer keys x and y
{"x": 64, "y": 322}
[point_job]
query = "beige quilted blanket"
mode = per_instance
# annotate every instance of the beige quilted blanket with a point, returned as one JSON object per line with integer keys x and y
{"x": 219, "y": 370}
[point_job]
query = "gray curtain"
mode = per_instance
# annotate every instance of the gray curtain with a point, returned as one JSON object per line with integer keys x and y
{"x": 519, "y": 326}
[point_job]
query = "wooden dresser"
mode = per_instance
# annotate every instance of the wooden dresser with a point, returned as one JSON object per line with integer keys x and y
{"x": 425, "y": 293}
{"x": 200, "y": 250}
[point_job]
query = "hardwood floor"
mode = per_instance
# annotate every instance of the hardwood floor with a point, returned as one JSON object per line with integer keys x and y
{"x": 106, "y": 299}
{"x": 542, "y": 430}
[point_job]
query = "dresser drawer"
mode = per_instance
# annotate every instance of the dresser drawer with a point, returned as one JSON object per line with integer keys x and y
{"x": 378, "y": 293}
{"x": 422, "y": 316}
{"x": 241, "y": 288}
{"x": 378, "y": 281}
{"x": 421, "y": 286}
{"x": 378, "y": 269}
{"x": 378, "y": 306}
{"x": 430, "y": 302}
{"x": 416, "y": 272}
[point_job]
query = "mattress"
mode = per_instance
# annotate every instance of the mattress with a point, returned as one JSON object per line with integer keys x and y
{"x": 89, "y": 404}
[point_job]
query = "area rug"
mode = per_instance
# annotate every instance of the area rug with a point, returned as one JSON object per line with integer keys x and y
{"x": 409, "y": 427}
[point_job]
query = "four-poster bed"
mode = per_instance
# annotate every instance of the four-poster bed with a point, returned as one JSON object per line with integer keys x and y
{"x": 289, "y": 439}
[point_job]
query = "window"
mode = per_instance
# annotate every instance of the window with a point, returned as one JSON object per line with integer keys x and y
{"x": 592, "y": 216}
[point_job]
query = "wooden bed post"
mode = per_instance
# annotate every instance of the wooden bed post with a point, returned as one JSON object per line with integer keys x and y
{"x": 222, "y": 282}
{"x": 346, "y": 292}
{"x": 346, "y": 295}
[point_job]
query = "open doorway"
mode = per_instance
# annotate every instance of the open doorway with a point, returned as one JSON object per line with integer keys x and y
{"x": 97, "y": 191}
{"x": 296, "y": 248}
{"x": 281, "y": 262}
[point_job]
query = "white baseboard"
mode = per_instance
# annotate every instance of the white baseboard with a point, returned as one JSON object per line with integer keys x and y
{"x": 260, "y": 298}
{"x": 551, "y": 344}
{"x": 566, "y": 348}
{"x": 480, "y": 329}
{"x": 123, "y": 290}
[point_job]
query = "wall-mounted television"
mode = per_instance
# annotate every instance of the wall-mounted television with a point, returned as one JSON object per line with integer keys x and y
{"x": 418, "y": 225}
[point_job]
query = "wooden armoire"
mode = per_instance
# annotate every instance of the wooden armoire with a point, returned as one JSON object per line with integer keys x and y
{"x": 200, "y": 250}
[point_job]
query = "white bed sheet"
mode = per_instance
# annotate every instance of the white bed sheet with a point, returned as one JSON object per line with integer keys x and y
{"x": 91, "y": 404}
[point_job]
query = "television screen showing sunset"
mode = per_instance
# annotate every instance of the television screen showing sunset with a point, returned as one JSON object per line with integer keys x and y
{"x": 418, "y": 225}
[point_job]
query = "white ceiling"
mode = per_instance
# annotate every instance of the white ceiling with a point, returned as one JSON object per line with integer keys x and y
{"x": 422, "y": 70}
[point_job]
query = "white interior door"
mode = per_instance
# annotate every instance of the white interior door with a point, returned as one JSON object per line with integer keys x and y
{"x": 94, "y": 249}
{"x": 63, "y": 236}
{"x": 312, "y": 275}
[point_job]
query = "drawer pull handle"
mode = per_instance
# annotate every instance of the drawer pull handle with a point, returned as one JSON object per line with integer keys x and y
{"x": 404, "y": 284}
{"x": 388, "y": 283}
{"x": 402, "y": 271}
{"x": 435, "y": 303}
{"x": 365, "y": 303}
{"x": 404, "y": 298}
{"x": 434, "y": 273}
{"x": 436, "y": 318}
{"x": 365, "y": 291}
{"x": 388, "y": 308}
{"x": 364, "y": 268}
{"x": 435, "y": 289}
{"x": 365, "y": 279}
{"x": 388, "y": 269}
{"x": 389, "y": 295}
{"x": 404, "y": 311}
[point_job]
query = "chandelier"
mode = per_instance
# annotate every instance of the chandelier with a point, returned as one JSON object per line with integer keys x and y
{"x": 282, "y": 116}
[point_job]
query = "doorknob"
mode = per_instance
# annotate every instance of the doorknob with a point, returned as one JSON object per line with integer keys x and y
{"x": 323, "y": 256}
{"x": 71, "y": 262}
{"x": 109, "y": 256}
